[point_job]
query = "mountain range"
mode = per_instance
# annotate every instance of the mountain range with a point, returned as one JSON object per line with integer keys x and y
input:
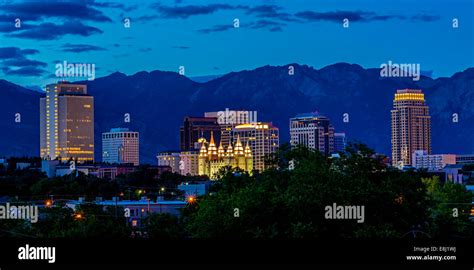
{"x": 158, "y": 101}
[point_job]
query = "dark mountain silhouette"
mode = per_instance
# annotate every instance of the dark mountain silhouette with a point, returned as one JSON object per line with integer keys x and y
{"x": 18, "y": 138}
{"x": 157, "y": 102}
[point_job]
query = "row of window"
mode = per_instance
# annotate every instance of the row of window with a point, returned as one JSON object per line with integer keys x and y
{"x": 119, "y": 135}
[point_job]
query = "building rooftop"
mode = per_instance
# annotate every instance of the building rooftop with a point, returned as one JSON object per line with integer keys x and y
{"x": 119, "y": 130}
{"x": 258, "y": 125}
{"x": 128, "y": 203}
{"x": 310, "y": 115}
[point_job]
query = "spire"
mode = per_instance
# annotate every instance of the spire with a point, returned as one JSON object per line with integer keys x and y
{"x": 212, "y": 138}
{"x": 203, "y": 151}
{"x": 239, "y": 149}
{"x": 212, "y": 147}
{"x": 230, "y": 151}
{"x": 220, "y": 150}
{"x": 248, "y": 151}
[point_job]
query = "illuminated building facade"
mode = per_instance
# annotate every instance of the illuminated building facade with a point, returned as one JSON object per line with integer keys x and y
{"x": 195, "y": 128}
{"x": 120, "y": 146}
{"x": 67, "y": 123}
{"x": 313, "y": 131}
{"x": 171, "y": 159}
{"x": 263, "y": 139}
{"x": 421, "y": 159}
{"x": 411, "y": 129}
{"x": 189, "y": 164}
{"x": 340, "y": 142}
{"x": 212, "y": 158}
{"x": 228, "y": 119}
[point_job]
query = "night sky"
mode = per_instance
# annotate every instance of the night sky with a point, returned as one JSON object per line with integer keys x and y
{"x": 200, "y": 35}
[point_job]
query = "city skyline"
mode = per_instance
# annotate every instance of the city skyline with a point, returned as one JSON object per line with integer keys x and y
{"x": 410, "y": 135}
{"x": 137, "y": 127}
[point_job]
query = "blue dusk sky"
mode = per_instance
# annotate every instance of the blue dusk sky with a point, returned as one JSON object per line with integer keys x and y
{"x": 200, "y": 35}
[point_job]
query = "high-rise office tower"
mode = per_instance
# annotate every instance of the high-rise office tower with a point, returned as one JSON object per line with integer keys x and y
{"x": 313, "y": 131}
{"x": 410, "y": 126}
{"x": 120, "y": 146}
{"x": 67, "y": 123}
{"x": 262, "y": 138}
{"x": 228, "y": 119}
{"x": 195, "y": 128}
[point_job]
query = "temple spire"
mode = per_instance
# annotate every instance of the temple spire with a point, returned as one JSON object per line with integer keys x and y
{"x": 220, "y": 150}
{"x": 239, "y": 149}
{"x": 212, "y": 149}
{"x": 203, "y": 150}
{"x": 248, "y": 151}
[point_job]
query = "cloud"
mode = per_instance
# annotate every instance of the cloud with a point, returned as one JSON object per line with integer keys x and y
{"x": 358, "y": 16}
{"x": 31, "y": 10}
{"x": 146, "y": 18}
{"x": 338, "y": 16}
{"x": 425, "y": 17}
{"x": 51, "y": 31}
{"x": 270, "y": 11}
{"x": 114, "y": 5}
{"x": 23, "y": 71}
{"x": 14, "y": 52}
{"x": 78, "y": 48}
{"x": 216, "y": 28}
{"x": 14, "y": 61}
{"x": 271, "y": 26}
{"x": 23, "y": 62}
{"x": 9, "y": 27}
{"x": 184, "y": 12}
{"x": 10, "y": 18}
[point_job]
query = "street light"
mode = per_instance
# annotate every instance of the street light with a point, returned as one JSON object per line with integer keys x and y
{"x": 191, "y": 199}
{"x": 78, "y": 216}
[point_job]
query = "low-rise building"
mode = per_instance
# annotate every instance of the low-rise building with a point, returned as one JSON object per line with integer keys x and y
{"x": 169, "y": 158}
{"x": 137, "y": 210}
{"x": 465, "y": 159}
{"x": 421, "y": 159}
{"x": 194, "y": 189}
{"x": 189, "y": 163}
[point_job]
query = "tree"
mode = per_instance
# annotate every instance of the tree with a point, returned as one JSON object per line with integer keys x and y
{"x": 450, "y": 206}
{"x": 163, "y": 226}
{"x": 284, "y": 203}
